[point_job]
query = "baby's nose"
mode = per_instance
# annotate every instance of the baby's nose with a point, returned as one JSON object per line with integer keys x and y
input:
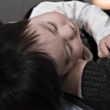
{"x": 67, "y": 32}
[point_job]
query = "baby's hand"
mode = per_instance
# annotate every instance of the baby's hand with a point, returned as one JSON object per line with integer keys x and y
{"x": 104, "y": 47}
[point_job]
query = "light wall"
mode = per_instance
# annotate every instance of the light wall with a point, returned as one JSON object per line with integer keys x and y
{"x": 12, "y": 10}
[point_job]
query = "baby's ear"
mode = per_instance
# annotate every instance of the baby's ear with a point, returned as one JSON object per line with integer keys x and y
{"x": 87, "y": 54}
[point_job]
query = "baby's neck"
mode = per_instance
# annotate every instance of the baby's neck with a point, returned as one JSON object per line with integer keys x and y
{"x": 72, "y": 83}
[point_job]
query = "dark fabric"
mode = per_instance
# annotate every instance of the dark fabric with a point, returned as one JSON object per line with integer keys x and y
{"x": 96, "y": 84}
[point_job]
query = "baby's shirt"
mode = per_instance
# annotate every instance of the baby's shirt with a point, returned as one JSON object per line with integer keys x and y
{"x": 89, "y": 17}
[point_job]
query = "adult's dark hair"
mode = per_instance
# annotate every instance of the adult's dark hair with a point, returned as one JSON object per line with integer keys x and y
{"x": 28, "y": 78}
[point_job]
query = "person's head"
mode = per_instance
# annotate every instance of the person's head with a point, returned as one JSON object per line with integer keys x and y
{"x": 59, "y": 38}
{"x": 28, "y": 78}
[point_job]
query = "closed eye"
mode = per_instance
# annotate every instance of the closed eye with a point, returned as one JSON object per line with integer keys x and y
{"x": 52, "y": 27}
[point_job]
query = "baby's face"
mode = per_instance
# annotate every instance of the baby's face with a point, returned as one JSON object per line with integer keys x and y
{"x": 59, "y": 38}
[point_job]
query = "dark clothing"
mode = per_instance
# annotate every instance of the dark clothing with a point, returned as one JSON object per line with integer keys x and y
{"x": 96, "y": 84}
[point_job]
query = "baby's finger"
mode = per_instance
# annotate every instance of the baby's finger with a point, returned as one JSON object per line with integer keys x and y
{"x": 103, "y": 50}
{"x": 100, "y": 54}
{"x": 108, "y": 47}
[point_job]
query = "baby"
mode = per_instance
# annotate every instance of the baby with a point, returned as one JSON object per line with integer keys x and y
{"x": 87, "y": 16}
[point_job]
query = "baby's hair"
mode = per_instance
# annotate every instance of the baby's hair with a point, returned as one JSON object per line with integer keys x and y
{"x": 28, "y": 78}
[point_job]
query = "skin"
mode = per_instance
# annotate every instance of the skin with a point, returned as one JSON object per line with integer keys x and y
{"x": 60, "y": 38}
{"x": 104, "y": 4}
{"x": 72, "y": 83}
{"x": 104, "y": 47}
